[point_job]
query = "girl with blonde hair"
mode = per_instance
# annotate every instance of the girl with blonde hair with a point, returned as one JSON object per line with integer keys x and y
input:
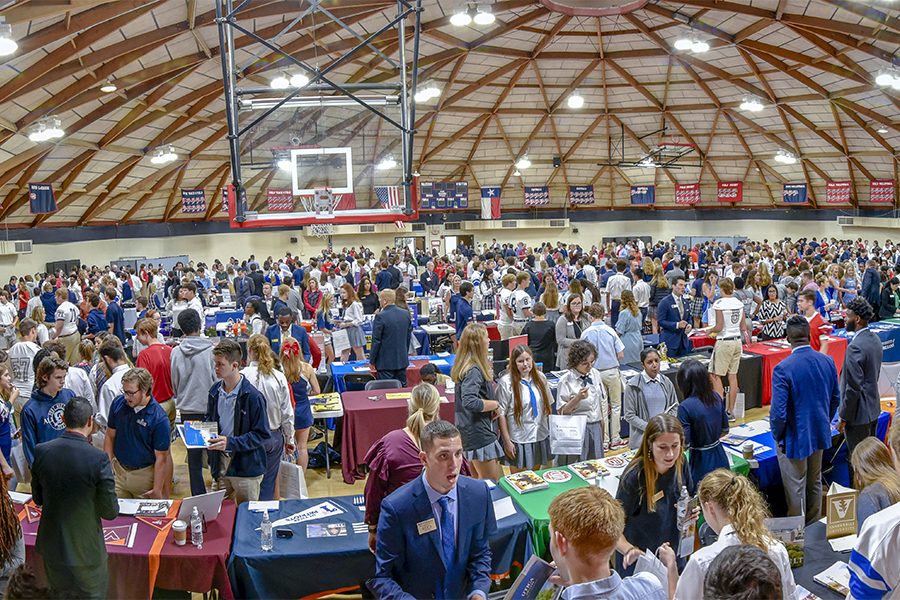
{"x": 39, "y": 316}
{"x": 874, "y": 475}
{"x": 550, "y": 298}
{"x": 475, "y": 406}
{"x": 301, "y": 376}
{"x": 262, "y": 373}
{"x": 737, "y": 512}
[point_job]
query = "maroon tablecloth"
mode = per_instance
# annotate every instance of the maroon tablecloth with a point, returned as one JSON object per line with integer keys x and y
{"x": 366, "y": 421}
{"x": 154, "y": 561}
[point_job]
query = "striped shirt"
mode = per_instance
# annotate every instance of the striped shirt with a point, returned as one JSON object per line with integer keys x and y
{"x": 874, "y": 568}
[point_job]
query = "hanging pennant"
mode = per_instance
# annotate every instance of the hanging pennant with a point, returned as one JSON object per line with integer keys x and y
{"x": 837, "y": 192}
{"x": 687, "y": 193}
{"x": 794, "y": 193}
{"x": 41, "y": 199}
{"x": 643, "y": 195}
{"x": 881, "y": 191}
{"x": 730, "y": 191}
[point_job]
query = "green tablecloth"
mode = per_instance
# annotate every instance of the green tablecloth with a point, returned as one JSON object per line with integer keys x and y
{"x": 535, "y": 504}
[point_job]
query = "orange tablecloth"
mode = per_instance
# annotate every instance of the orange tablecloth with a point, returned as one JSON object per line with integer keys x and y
{"x": 837, "y": 348}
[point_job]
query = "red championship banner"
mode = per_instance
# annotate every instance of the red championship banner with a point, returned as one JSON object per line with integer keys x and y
{"x": 837, "y": 192}
{"x": 687, "y": 193}
{"x": 730, "y": 191}
{"x": 881, "y": 191}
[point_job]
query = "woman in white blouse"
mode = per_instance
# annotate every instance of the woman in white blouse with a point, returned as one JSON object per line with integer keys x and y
{"x": 352, "y": 322}
{"x": 736, "y": 511}
{"x": 581, "y": 392}
{"x": 524, "y": 411}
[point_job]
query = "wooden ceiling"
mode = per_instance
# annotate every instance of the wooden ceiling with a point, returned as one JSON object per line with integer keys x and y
{"x": 505, "y": 88}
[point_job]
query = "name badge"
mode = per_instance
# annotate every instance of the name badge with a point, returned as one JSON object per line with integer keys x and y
{"x": 426, "y": 526}
{"x": 656, "y": 497}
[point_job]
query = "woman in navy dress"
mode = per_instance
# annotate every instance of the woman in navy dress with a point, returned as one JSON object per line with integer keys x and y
{"x": 301, "y": 377}
{"x": 703, "y": 417}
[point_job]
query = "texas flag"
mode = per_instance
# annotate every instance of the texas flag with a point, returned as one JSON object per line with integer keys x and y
{"x": 490, "y": 203}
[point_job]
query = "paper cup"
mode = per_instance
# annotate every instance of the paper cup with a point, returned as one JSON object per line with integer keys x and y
{"x": 179, "y": 529}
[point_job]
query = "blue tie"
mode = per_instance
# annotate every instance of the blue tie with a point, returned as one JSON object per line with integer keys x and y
{"x": 448, "y": 542}
{"x": 534, "y": 408}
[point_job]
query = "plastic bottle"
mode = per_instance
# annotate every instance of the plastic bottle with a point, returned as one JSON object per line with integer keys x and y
{"x": 681, "y": 509}
{"x": 229, "y": 327}
{"x": 265, "y": 533}
{"x": 196, "y": 528}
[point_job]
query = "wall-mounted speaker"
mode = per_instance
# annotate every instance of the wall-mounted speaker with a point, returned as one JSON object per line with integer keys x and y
{"x": 574, "y": 230}
{"x": 556, "y": 162}
{"x": 293, "y": 240}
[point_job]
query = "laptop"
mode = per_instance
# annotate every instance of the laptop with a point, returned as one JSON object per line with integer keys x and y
{"x": 208, "y": 505}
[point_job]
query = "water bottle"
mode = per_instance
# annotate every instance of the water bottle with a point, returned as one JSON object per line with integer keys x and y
{"x": 265, "y": 533}
{"x": 196, "y": 528}
{"x": 681, "y": 510}
{"x": 229, "y": 327}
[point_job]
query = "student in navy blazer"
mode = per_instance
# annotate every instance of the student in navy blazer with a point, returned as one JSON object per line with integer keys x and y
{"x": 674, "y": 325}
{"x": 391, "y": 333}
{"x": 286, "y": 323}
{"x": 805, "y": 398}
{"x": 425, "y": 550}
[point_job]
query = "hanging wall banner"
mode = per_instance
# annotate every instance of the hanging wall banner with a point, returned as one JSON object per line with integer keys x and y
{"x": 41, "y": 198}
{"x": 643, "y": 195}
{"x": 193, "y": 201}
{"x": 536, "y": 196}
{"x": 794, "y": 193}
{"x": 730, "y": 191}
{"x": 837, "y": 192}
{"x": 881, "y": 191}
{"x": 687, "y": 193}
{"x": 490, "y": 202}
{"x": 581, "y": 195}
{"x": 280, "y": 200}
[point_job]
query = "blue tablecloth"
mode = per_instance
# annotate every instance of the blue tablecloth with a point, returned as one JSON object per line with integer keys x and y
{"x": 299, "y": 566}
{"x": 836, "y": 458}
{"x": 889, "y": 334}
{"x": 339, "y": 371}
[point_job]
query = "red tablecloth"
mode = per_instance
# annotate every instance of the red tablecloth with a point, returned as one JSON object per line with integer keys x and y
{"x": 702, "y": 341}
{"x": 493, "y": 331}
{"x": 367, "y": 421}
{"x": 837, "y": 348}
{"x": 154, "y": 561}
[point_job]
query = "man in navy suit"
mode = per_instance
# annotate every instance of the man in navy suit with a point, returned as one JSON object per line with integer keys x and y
{"x": 391, "y": 333}
{"x": 433, "y": 533}
{"x": 285, "y": 327}
{"x": 673, "y": 313}
{"x": 805, "y": 397}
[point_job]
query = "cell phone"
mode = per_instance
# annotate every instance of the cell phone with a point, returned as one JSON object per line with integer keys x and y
{"x": 284, "y": 533}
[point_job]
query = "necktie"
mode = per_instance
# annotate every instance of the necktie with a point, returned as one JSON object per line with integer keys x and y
{"x": 586, "y": 380}
{"x": 680, "y": 308}
{"x": 533, "y": 398}
{"x": 448, "y": 542}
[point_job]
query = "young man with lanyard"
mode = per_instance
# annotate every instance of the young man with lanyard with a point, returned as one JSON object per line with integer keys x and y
{"x": 137, "y": 440}
{"x": 66, "y": 331}
{"x": 239, "y": 409}
{"x": 520, "y": 302}
{"x": 818, "y": 329}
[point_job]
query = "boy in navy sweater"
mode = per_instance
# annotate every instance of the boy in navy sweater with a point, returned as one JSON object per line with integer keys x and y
{"x": 42, "y": 415}
{"x": 96, "y": 321}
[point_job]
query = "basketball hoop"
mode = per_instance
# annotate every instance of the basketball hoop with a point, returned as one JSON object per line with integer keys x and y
{"x": 322, "y": 230}
{"x": 322, "y": 203}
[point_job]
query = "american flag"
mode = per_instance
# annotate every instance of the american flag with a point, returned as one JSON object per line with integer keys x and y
{"x": 535, "y": 196}
{"x": 389, "y": 196}
{"x": 581, "y": 194}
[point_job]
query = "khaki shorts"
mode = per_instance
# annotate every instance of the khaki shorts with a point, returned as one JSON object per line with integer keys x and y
{"x": 726, "y": 357}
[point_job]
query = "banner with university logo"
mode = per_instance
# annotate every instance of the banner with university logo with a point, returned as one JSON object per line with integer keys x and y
{"x": 581, "y": 195}
{"x": 687, "y": 193}
{"x": 794, "y": 193}
{"x": 881, "y": 191}
{"x": 41, "y": 199}
{"x": 837, "y": 192}
{"x": 490, "y": 202}
{"x": 443, "y": 195}
{"x": 280, "y": 200}
{"x": 537, "y": 196}
{"x": 193, "y": 201}
{"x": 643, "y": 195}
{"x": 730, "y": 191}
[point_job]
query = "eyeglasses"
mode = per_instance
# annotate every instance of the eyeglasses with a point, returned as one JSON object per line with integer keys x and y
{"x": 130, "y": 394}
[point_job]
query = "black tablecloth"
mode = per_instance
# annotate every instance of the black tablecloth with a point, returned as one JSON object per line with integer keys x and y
{"x": 817, "y": 556}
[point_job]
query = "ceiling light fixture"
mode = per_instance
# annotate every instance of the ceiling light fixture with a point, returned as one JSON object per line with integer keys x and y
{"x": 882, "y": 129}
{"x": 108, "y": 87}
{"x": 386, "y": 163}
{"x": 751, "y": 104}
{"x": 427, "y": 92}
{"x": 576, "y": 100}
{"x": 785, "y": 158}
{"x": 699, "y": 46}
{"x": 483, "y": 15}
{"x": 885, "y": 77}
{"x": 523, "y": 163}
{"x": 647, "y": 163}
{"x": 45, "y": 129}
{"x": 7, "y": 44}
{"x": 298, "y": 80}
{"x": 461, "y": 18}
{"x": 280, "y": 83}
{"x": 691, "y": 43}
{"x": 163, "y": 155}
{"x": 284, "y": 164}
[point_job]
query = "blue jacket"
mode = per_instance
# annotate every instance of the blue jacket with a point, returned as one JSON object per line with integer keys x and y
{"x": 42, "y": 419}
{"x": 805, "y": 397}
{"x": 463, "y": 315}
{"x": 96, "y": 321}
{"x": 676, "y": 340}
{"x": 383, "y": 280}
{"x": 273, "y": 333}
{"x": 251, "y": 429}
{"x": 391, "y": 333}
{"x": 116, "y": 318}
{"x": 409, "y": 565}
{"x": 870, "y": 288}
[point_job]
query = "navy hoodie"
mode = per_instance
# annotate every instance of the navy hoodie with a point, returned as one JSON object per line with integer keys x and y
{"x": 42, "y": 419}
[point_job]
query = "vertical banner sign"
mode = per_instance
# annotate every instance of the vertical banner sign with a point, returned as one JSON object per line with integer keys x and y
{"x": 490, "y": 202}
{"x": 881, "y": 191}
{"x": 837, "y": 192}
{"x": 535, "y": 196}
{"x": 41, "y": 198}
{"x": 730, "y": 191}
{"x": 687, "y": 193}
{"x": 643, "y": 195}
{"x": 581, "y": 195}
{"x": 794, "y": 193}
{"x": 224, "y": 208}
{"x": 280, "y": 200}
{"x": 193, "y": 201}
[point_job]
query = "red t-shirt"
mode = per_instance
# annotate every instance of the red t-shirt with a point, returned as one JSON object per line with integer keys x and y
{"x": 158, "y": 360}
{"x": 816, "y": 325}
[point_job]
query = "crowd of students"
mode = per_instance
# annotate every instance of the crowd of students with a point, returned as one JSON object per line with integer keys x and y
{"x": 583, "y": 312}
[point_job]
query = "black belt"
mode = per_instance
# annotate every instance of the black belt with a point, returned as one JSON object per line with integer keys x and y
{"x": 728, "y": 339}
{"x": 127, "y": 468}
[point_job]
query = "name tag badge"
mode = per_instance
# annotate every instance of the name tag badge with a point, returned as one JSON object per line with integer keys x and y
{"x": 426, "y": 526}
{"x": 656, "y": 497}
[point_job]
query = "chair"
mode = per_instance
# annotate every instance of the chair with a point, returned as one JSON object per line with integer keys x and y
{"x": 356, "y": 382}
{"x": 383, "y": 384}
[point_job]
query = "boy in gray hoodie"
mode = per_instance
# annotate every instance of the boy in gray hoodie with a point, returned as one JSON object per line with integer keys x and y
{"x": 193, "y": 373}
